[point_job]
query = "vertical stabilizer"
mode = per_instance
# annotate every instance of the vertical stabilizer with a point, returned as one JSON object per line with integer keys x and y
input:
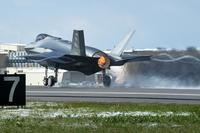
{"x": 118, "y": 50}
{"x": 78, "y": 43}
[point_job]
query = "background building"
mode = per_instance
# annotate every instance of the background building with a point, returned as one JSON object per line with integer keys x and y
{"x": 12, "y": 47}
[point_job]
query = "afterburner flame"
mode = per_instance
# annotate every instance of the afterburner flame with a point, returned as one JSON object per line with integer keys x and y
{"x": 103, "y": 62}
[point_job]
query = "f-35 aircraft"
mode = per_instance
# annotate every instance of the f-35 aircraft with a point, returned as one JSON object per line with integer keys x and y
{"x": 54, "y": 52}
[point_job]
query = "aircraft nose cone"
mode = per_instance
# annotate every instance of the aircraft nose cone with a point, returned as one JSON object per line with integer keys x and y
{"x": 29, "y": 47}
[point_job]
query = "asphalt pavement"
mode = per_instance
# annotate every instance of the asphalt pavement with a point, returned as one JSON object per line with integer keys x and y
{"x": 117, "y": 94}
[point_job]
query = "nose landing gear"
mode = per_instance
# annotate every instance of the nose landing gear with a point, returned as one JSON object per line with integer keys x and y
{"x": 51, "y": 80}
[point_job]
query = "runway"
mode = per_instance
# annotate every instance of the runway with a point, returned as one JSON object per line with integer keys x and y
{"x": 136, "y": 95}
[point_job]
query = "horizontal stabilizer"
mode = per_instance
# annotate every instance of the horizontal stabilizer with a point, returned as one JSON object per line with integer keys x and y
{"x": 132, "y": 59}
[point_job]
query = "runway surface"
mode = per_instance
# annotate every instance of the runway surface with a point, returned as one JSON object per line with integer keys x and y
{"x": 137, "y": 95}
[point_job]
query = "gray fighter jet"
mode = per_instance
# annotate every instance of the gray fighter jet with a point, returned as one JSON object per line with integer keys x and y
{"x": 56, "y": 53}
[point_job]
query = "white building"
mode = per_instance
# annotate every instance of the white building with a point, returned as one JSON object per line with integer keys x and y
{"x": 12, "y": 46}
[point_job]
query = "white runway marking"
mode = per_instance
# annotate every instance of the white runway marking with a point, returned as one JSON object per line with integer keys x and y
{"x": 111, "y": 93}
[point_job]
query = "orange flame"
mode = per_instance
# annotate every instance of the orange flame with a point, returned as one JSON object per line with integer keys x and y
{"x": 102, "y": 61}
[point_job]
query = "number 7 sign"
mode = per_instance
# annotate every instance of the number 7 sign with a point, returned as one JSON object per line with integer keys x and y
{"x": 12, "y": 89}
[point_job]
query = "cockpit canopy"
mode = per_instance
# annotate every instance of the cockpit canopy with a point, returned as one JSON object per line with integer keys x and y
{"x": 43, "y": 36}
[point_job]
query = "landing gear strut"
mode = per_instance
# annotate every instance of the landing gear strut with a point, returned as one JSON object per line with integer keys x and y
{"x": 51, "y": 80}
{"x": 106, "y": 79}
{"x": 45, "y": 80}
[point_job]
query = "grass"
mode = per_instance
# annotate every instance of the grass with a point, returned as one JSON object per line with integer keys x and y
{"x": 81, "y": 117}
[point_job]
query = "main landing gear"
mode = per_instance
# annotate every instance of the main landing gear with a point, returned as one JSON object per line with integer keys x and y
{"x": 106, "y": 79}
{"x": 51, "y": 80}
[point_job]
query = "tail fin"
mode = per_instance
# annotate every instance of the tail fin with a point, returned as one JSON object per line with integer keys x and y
{"x": 78, "y": 43}
{"x": 117, "y": 51}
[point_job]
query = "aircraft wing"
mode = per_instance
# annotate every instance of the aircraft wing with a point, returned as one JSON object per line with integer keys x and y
{"x": 42, "y": 57}
{"x": 84, "y": 64}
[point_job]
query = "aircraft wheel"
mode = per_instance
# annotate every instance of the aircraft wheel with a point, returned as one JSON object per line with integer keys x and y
{"x": 51, "y": 81}
{"x": 45, "y": 81}
{"x": 106, "y": 81}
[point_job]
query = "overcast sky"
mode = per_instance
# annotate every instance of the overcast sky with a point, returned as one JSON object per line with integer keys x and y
{"x": 158, "y": 23}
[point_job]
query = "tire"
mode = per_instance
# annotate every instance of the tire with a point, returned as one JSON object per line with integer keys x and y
{"x": 106, "y": 81}
{"x": 51, "y": 81}
{"x": 45, "y": 81}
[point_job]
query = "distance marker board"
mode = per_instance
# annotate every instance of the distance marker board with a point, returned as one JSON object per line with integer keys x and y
{"x": 12, "y": 89}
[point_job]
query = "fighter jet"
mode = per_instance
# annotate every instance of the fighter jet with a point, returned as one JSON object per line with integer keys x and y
{"x": 57, "y": 53}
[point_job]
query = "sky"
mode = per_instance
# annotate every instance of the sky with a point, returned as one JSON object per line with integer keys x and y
{"x": 158, "y": 23}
